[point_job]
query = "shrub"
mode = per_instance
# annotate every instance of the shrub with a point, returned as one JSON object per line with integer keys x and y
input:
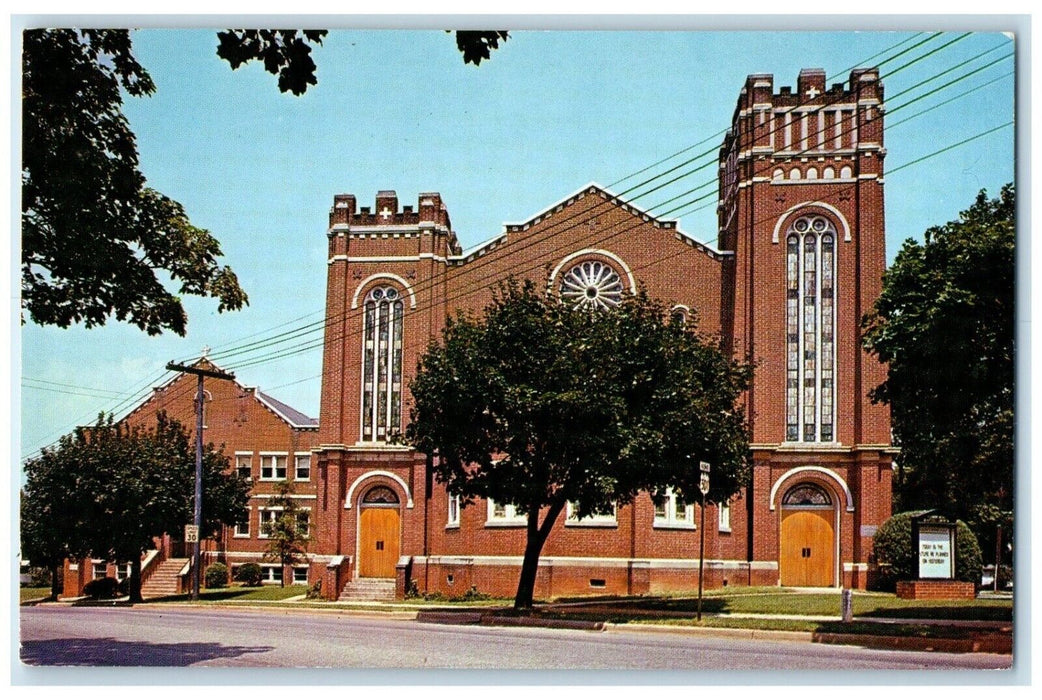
{"x": 102, "y": 588}
{"x": 216, "y": 575}
{"x": 898, "y": 556}
{"x": 315, "y": 591}
{"x": 249, "y": 574}
{"x": 412, "y": 589}
{"x": 473, "y": 594}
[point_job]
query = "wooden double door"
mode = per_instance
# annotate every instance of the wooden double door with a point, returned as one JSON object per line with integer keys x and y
{"x": 379, "y": 542}
{"x": 807, "y": 547}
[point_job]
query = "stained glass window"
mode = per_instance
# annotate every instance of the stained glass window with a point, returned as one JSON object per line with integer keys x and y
{"x": 382, "y": 364}
{"x": 810, "y": 330}
{"x": 806, "y": 495}
{"x": 592, "y": 285}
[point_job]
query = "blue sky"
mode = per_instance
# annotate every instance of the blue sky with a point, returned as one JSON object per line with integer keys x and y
{"x": 548, "y": 113}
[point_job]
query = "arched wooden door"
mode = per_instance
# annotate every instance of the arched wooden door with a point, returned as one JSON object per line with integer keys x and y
{"x": 807, "y": 539}
{"x": 379, "y": 535}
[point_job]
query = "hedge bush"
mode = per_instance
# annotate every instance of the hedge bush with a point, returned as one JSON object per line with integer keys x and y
{"x": 249, "y": 574}
{"x": 102, "y": 588}
{"x": 898, "y": 556}
{"x": 216, "y": 575}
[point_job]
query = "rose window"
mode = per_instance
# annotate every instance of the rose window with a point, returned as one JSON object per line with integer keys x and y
{"x": 592, "y": 285}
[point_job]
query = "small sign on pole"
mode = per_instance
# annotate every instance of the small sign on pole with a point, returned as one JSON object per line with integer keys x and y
{"x": 703, "y": 486}
{"x": 191, "y": 534}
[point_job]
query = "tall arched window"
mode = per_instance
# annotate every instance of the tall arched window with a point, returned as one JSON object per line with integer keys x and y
{"x": 382, "y": 364}
{"x": 810, "y": 332}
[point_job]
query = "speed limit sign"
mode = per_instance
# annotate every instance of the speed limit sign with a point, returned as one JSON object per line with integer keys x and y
{"x": 191, "y": 533}
{"x": 703, "y": 484}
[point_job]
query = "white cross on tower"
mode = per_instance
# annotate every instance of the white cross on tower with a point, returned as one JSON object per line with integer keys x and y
{"x": 813, "y": 92}
{"x": 386, "y": 213}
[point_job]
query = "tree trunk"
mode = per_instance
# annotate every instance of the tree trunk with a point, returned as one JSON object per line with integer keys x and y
{"x": 135, "y": 580}
{"x": 533, "y": 546}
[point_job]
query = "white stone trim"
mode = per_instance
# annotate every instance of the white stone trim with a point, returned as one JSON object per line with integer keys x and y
{"x": 595, "y": 251}
{"x": 604, "y": 563}
{"x": 384, "y": 275}
{"x": 823, "y": 205}
{"x": 368, "y": 475}
{"x": 813, "y": 470}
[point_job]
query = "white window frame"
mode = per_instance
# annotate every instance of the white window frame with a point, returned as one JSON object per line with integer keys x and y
{"x": 596, "y": 520}
{"x": 262, "y": 517}
{"x": 274, "y": 465}
{"x": 298, "y": 569}
{"x": 306, "y": 512}
{"x": 123, "y": 571}
{"x": 296, "y": 467}
{"x": 268, "y": 573}
{"x": 510, "y": 517}
{"x": 94, "y": 564}
{"x": 235, "y": 526}
{"x": 670, "y": 520}
{"x": 724, "y": 516}
{"x": 240, "y": 457}
{"x": 452, "y": 516}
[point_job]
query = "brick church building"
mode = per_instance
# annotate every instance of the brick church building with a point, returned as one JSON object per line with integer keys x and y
{"x": 799, "y": 258}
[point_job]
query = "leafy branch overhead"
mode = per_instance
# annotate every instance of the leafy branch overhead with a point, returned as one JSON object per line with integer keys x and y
{"x": 282, "y": 51}
{"x": 94, "y": 235}
{"x": 96, "y": 240}
{"x": 478, "y": 45}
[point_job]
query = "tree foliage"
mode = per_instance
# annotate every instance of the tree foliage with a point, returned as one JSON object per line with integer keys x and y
{"x": 94, "y": 234}
{"x": 540, "y": 405}
{"x": 944, "y": 326}
{"x": 478, "y": 45}
{"x": 898, "y": 555}
{"x": 108, "y": 490}
{"x": 288, "y": 534}
{"x": 282, "y": 51}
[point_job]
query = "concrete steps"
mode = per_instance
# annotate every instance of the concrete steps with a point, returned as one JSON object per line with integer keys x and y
{"x": 368, "y": 589}
{"x": 163, "y": 581}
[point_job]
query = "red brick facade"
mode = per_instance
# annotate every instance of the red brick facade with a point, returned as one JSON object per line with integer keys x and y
{"x": 786, "y": 297}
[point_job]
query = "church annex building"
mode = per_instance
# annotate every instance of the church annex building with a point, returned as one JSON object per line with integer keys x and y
{"x": 798, "y": 260}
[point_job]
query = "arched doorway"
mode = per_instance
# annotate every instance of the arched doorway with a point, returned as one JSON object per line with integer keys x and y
{"x": 807, "y": 541}
{"x": 379, "y": 533}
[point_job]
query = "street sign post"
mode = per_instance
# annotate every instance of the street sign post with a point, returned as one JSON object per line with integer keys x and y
{"x": 703, "y": 486}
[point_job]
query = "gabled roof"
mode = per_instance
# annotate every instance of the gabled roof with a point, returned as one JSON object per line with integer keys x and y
{"x": 591, "y": 189}
{"x": 285, "y": 412}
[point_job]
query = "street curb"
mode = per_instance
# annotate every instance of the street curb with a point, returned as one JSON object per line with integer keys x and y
{"x": 467, "y": 617}
{"x": 730, "y": 632}
{"x": 993, "y": 644}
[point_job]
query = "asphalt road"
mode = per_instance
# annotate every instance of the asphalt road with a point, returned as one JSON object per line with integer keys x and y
{"x": 183, "y": 636}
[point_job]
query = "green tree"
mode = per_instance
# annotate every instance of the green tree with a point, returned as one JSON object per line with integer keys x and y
{"x": 289, "y": 532}
{"x": 944, "y": 327}
{"x": 51, "y": 511}
{"x": 123, "y": 487}
{"x": 539, "y": 405}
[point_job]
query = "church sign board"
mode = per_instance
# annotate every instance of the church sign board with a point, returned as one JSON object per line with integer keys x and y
{"x": 935, "y": 540}
{"x": 936, "y": 552}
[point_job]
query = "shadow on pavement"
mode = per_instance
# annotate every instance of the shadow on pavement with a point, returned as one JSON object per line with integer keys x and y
{"x": 113, "y": 652}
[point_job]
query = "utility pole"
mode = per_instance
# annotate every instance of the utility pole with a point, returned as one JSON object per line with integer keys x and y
{"x": 197, "y": 520}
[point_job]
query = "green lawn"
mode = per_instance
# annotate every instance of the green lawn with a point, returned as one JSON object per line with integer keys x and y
{"x": 774, "y": 601}
{"x": 239, "y": 594}
{"x": 28, "y": 593}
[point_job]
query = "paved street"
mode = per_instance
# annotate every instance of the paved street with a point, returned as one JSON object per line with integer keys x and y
{"x": 183, "y": 636}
